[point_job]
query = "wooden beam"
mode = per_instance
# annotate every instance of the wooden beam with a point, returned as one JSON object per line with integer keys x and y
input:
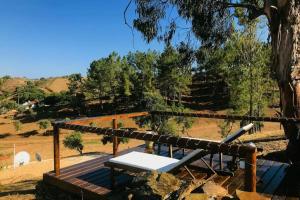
{"x": 56, "y": 152}
{"x": 221, "y": 116}
{"x": 250, "y": 172}
{"x": 88, "y": 120}
{"x": 115, "y": 138}
{"x": 181, "y": 142}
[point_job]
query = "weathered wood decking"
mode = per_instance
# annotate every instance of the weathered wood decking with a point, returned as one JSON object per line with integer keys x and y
{"x": 92, "y": 180}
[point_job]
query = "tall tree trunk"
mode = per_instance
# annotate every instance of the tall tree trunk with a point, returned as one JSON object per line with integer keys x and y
{"x": 284, "y": 18}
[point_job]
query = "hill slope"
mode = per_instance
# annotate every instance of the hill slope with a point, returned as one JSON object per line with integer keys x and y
{"x": 49, "y": 85}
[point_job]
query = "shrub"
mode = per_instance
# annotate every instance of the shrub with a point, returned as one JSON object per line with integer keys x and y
{"x": 44, "y": 124}
{"x": 93, "y": 124}
{"x": 17, "y": 125}
{"x": 74, "y": 141}
{"x": 57, "y": 99}
{"x": 7, "y": 105}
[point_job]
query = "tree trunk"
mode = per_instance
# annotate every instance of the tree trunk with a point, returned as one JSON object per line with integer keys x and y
{"x": 284, "y": 18}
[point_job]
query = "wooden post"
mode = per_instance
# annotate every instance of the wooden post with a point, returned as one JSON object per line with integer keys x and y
{"x": 115, "y": 139}
{"x": 56, "y": 150}
{"x": 250, "y": 172}
{"x": 170, "y": 151}
{"x": 221, "y": 161}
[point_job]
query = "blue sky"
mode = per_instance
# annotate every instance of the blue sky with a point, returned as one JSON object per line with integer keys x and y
{"x": 42, "y": 38}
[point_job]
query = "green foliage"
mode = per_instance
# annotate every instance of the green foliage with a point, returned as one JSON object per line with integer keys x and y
{"x": 44, "y": 124}
{"x": 29, "y": 92}
{"x": 244, "y": 64}
{"x": 74, "y": 141}
{"x": 102, "y": 77}
{"x": 163, "y": 124}
{"x": 76, "y": 93}
{"x": 144, "y": 66}
{"x": 209, "y": 22}
{"x": 17, "y": 125}
{"x": 57, "y": 99}
{"x": 21, "y": 109}
{"x": 174, "y": 72}
{"x": 7, "y": 105}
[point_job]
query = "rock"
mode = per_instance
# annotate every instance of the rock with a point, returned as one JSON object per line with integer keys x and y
{"x": 212, "y": 189}
{"x": 163, "y": 184}
{"x": 154, "y": 186}
{"x": 242, "y": 195}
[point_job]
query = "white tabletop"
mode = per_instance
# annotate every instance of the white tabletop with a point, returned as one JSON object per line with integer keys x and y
{"x": 145, "y": 161}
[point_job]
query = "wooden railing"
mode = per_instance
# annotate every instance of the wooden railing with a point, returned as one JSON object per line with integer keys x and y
{"x": 247, "y": 152}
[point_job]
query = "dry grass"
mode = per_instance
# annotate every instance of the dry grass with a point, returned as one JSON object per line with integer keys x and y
{"x": 10, "y": 85}
{"x": 55, "y": 85}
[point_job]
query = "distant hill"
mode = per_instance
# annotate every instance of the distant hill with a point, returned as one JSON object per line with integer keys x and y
{"x": 11, "y": 84}
{"x": 49, "y": 85}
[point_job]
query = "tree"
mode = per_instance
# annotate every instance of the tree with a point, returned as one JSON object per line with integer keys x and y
{"x": 29, "y": 92}
{"x": 101, "y": 77}
{"x": 75, "y": 91}
{"x": 243, "y": 62}
{"x": 144, "y": 78}
{"x": 211, "y": 22}
{"x": 125, "y": 89}
{"x": 74, "y": 141}
{"x": 174, "y": 72}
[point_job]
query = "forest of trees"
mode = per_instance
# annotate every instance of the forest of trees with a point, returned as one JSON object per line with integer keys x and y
{"x": 156, "y": 81}
{"x": 212, "y": 23}
{"x": 153, "y": 80}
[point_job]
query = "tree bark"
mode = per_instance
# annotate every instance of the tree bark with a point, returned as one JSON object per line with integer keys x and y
{"x": 284, "y": 19}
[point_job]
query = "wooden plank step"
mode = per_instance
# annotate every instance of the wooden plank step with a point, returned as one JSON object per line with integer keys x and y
{"x": 268, "y": 176}
{"x": 276, "y": 180}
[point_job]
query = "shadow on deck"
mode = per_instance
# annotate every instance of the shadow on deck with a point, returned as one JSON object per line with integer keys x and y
{"x": 92, "y": 179}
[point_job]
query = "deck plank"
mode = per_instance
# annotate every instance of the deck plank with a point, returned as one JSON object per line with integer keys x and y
{"x": 92, "y": 178}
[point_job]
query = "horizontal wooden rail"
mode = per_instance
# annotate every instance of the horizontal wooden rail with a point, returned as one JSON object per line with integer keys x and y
{"x": 182, "y": 142}
{"x": 222, "y": 116}
{"x": 87, "y": 120}
{"x": 247, "y": 152}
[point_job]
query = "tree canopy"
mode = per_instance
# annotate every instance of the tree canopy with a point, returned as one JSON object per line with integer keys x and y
{"x": 211, "y": 22}
{"x": 29, "y": 92}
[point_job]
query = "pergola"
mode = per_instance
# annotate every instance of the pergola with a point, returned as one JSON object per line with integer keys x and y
{"x": 243, "y": 151}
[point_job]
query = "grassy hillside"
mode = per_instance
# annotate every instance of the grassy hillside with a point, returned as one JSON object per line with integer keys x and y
{"x": 49, "y": 85}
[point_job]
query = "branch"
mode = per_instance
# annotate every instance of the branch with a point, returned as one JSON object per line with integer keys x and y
{"x": 256, "y": 12}
{"x": 126, "y": 23}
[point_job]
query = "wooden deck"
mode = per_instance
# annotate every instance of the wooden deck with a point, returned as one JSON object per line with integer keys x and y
{"x": 92, "y": 180}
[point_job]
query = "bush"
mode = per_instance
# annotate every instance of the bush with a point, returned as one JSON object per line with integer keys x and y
{"x": 7, "y": 105}
{"x": 93, "y": 124}
{"x": 17, "y": 125}
{"x": 74, "y": 141}
{"x": 44, "y": 124}
{"x": 56, "y": 99}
